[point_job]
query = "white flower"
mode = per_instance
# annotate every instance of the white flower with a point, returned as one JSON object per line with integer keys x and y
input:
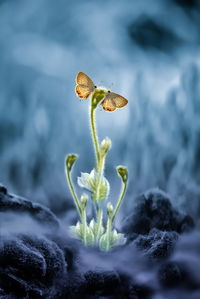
{"x": 95, "y": 183}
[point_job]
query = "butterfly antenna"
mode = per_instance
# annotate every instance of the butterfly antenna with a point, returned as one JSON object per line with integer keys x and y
{"x": 111, "y": 86}
{"x": 101, "y": 83}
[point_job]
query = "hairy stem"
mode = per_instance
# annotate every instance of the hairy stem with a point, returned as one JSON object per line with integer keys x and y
{"x": 100, "y": 159}
{"x": 101, "y": 163}
{"x": 100, "y": 170}
{"x": 94, "y": 133}
{"x": 84, "y": 223}
{"x": 99, "y": 224}
{"x": 72, "y": 190}
{"x": 108, "y": 232}
{"x": 123, "y": 191}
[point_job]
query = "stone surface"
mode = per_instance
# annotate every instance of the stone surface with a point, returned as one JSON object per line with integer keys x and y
{"x": 161, "y": 258}
{"x": 171, "y": 274}
{"x": 154, "y": 209}
{"x": 157, "y": 244}
{"x": 34, "y": 262}
{"x": 106, "y": 284}
{"x": 13, "y": 203}
{"x": 31, "y": 266}
{"x": 182, "y": 269}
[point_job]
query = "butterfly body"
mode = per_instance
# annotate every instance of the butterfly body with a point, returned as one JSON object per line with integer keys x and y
{"x": 110, "y": 101}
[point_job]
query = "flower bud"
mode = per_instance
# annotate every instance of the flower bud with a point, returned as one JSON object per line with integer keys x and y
{"x": 84, "y": 199}
{"x": 105, "y": 145}
{"x": 123, "y": 173}
{"x": 70, "y": 159}
{"x": 109, "y": 209}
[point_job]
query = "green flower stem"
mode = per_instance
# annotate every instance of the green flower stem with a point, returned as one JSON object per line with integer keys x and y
{"x": 101, "y": 163}
{"x": 123, "y": 191}
{"x": 84, "y": 223}
{"x": 94, "y": 132}
{"x": 108, "y": 232}
{"x": 100, "y": 159}
{"x": 100, "y": 170}
{"x": 99, "y": 224}
{"x": 72, "y": 190}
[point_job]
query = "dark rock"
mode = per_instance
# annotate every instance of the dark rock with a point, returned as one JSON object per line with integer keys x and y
{"x": 170, "y": 275}
{"x": 107, "y": 284}
{"x": 187, "y": 255}
{"x": 69, "y": 247}
{"x": 3, "y": 189}
{"x": 49, "y": 265}
{"x": 177, "y": 274}
{"x": 140, "y": 291}
{"x": 16, "y": 204}
{"x": 31, "y": 267}
{"x": 181, "y": 271}
{"x": 154, "y": 210}
{"x": 74, "y": 288}
{"x": 157, "y": 245}
{"x": 99, "y": 284}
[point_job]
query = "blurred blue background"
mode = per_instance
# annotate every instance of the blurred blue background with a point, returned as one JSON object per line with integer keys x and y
{"x": 147, "y": 51}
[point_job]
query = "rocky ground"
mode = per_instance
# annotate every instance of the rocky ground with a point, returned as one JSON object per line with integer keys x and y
{"x": 39, "y": 260}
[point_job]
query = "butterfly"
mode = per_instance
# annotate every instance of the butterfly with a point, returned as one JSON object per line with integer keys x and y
{"x": 85, "y": 87}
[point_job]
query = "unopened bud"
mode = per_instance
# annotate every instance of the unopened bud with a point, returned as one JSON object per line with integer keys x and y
{"x": 110, "y": 209}
{"x": 105, "y": 145}
{"x": 84, "y": 199}
{"x": 70, "y": 159}
{"x": 123, "y": 173}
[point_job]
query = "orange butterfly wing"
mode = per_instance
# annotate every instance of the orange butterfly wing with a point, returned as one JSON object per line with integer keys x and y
{"x": 82, "y": 91}
{"x": 84, "y": 86}
{"x": 112, "y": 101}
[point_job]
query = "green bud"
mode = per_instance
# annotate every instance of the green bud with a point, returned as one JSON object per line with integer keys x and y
{"x": 84, "y": 199}
{"x": 98, "y": 96}
{"x": 70, "y": 159}
{"x": 109, "y": 209}
{"x": 123, "y": 173}
{"x": 105, "y": 145}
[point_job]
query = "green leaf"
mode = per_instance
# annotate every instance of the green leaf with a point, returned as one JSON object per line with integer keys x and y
{"x": 116, "y": 239}
{"x": 103, "y": 242}
{"x": 77, "y": 232}
{"x": 97, "y": 230}
{"x": 90, "y": 239}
